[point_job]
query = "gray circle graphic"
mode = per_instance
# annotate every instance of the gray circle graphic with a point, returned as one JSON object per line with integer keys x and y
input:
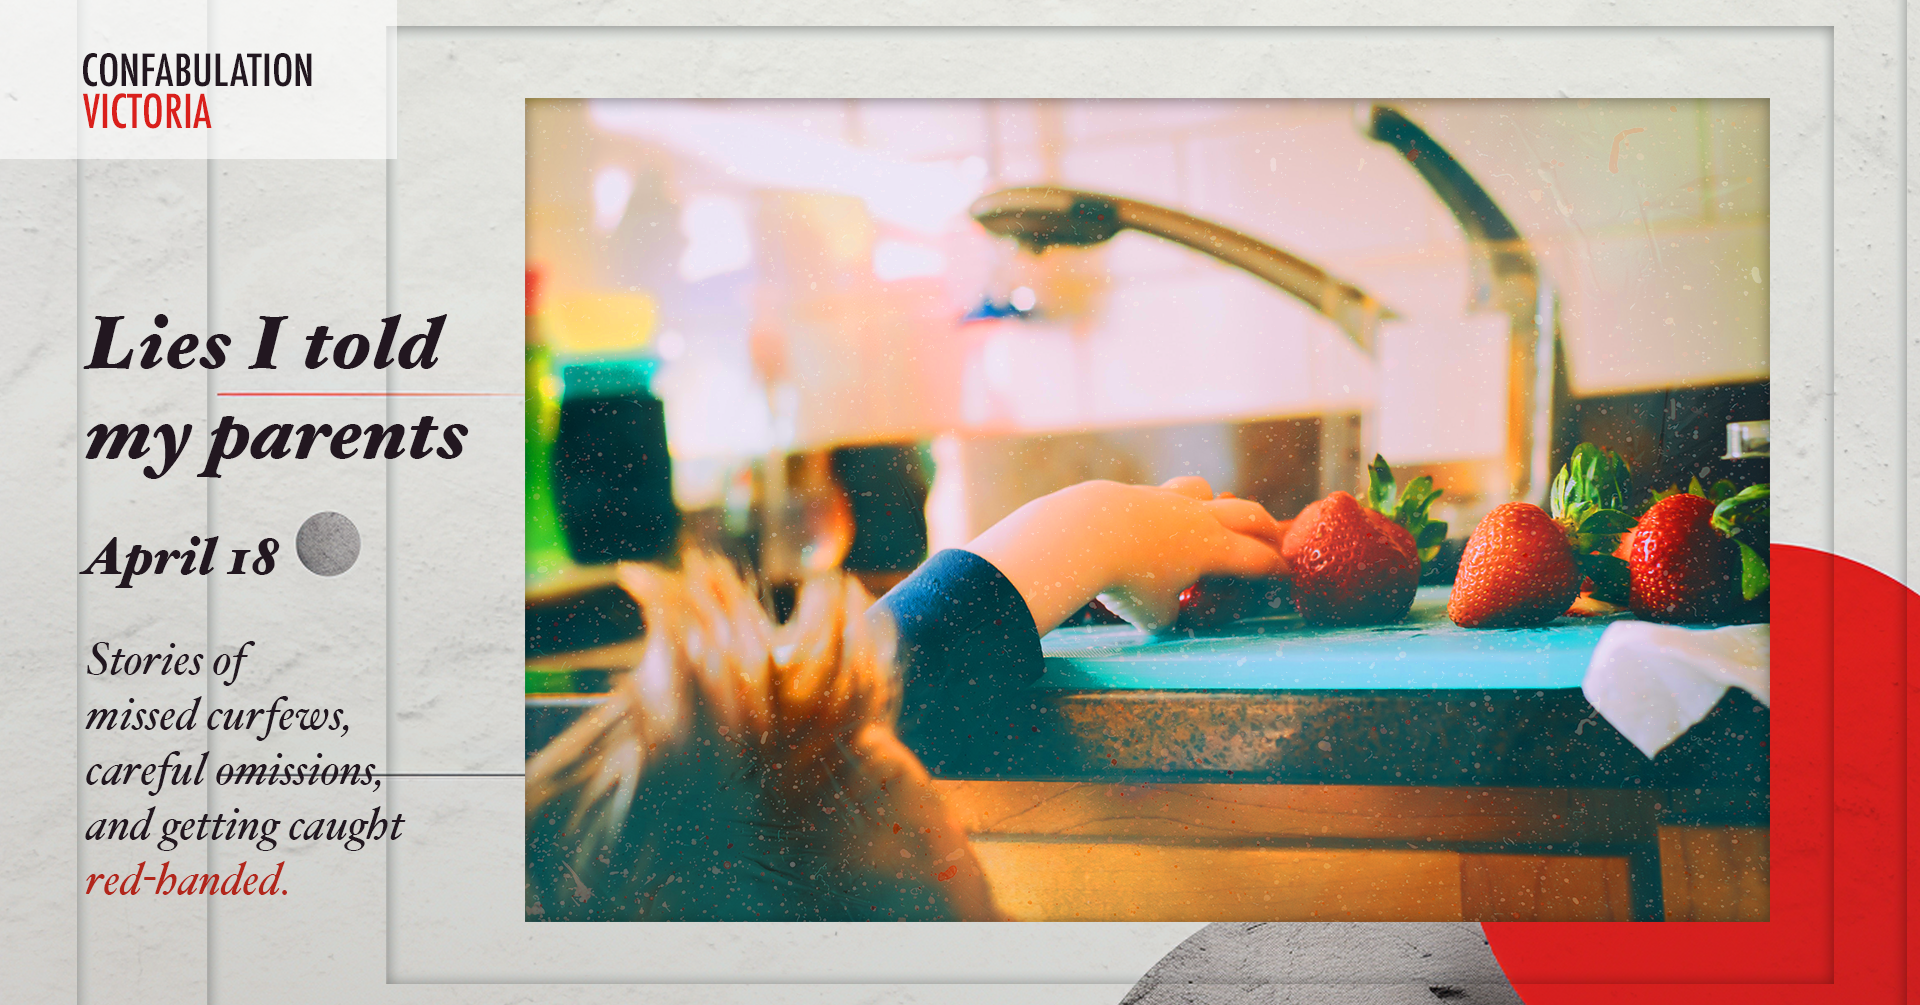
{"x": 1376, "y": 963}
{"x": 328, "y": 544}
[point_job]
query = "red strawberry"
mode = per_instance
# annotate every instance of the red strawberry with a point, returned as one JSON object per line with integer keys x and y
{"x": 1524, "y": 566}
{"x": 1362, "y": 574}
{"x": 1683, "y": 568}
{"x": 1625, "y": 551}
{"x": 1298, "y": 530}
{"x": 1217, "y": 601}
{"x": 1401, "y": 514}
{"x": 1393, "y": 530}
{"x": 1347, "y": 569}
{"x": 1207, "y": 604}
{"x": 1518, "y": 569}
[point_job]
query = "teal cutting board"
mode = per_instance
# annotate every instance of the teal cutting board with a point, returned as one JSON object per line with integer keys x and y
{"x": 1282, "y": 653}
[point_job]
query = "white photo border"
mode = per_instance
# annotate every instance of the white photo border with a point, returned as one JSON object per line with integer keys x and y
{"x": 460, "y": 160}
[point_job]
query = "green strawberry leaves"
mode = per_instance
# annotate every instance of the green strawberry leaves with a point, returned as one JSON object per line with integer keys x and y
{"x": 1612, "y": 577}
{"x": 1744, "y": 511}
{"x": 1380, "y": 487}
{"x": 1429, "y": 539}
{"x": 1589, "y": 498}
{"x": 1753, "y": 571}
{"x": 1720, "y": 490}
{"x": 1407, "y": 507}
{"x": 1745, "y": 516}
{"x": 1594, "y": 478}
{"x": 1603, "y": 523}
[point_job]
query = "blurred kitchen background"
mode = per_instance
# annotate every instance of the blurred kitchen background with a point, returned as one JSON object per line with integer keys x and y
{"x": 775, "y": 327}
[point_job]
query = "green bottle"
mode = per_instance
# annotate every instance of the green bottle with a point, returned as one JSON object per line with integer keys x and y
{"x": 546, "y": 546}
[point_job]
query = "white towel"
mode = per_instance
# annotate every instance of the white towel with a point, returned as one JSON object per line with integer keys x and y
{"x": 1653, "y": 682}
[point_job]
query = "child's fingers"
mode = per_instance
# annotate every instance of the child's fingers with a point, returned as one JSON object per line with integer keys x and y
{"x": 1192, "y": 486}
{"x": 1246, "y": 557}
{"x": 1244, "y": 516}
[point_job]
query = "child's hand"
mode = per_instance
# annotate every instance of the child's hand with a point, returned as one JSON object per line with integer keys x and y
{"x": 1136, "y": 546}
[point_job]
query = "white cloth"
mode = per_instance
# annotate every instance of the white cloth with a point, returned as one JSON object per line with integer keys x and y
{"x": 1653, "y": 682}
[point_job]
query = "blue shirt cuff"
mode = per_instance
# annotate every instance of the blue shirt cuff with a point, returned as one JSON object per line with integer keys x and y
{"x": 966, "y": 639}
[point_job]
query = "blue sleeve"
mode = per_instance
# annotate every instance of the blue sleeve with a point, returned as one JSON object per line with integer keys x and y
{"x": 967, "y": 641}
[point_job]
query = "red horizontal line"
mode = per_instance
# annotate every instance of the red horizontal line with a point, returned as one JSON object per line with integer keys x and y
{"x": 368, "y": 394}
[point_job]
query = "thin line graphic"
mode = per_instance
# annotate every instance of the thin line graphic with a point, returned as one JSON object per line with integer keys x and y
{"x": 451, "y": 774}
{"x": 371, "y": 394}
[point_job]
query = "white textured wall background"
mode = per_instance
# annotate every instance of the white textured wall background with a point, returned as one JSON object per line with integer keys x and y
{"x": 39, "y": 235}
{"x": 443, "y": 558}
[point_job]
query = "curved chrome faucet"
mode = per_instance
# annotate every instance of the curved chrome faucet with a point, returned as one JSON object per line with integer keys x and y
{"x": 1506, "y": 276}
{"x": 1040, "y": 217}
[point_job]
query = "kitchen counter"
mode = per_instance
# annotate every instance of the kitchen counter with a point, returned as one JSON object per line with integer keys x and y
{"x": 1419, "y": 702}
{"x": 1415, "y": 771}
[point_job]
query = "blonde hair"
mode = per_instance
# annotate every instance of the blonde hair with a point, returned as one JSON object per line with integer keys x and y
{"x": 744, "y": 771}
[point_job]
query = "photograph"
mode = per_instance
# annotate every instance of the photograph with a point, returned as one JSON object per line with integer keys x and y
{"x": 1167, "y": 510}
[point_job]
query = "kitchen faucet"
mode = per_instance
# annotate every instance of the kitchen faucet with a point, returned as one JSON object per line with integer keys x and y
{"x": 1041, "y": 217}
{"x": 1506, "y": 278}
{"x": 1505, "y": 275}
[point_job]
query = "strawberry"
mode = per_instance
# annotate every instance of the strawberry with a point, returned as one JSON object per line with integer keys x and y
{"x": 1205, "y": 605}
{"x": 1402, "y": 513}
{"x": 1217, "y": 601}
{"x": 1625, "y": 550}
{"x": 1585, "y": 606}
{"x": 1362, "y": 575}
{"x": 1524, "y": 566}
{"x": 1298, "y": 530}
{"x": 1349, "y": 570}
{"x": 1401, "y": 537}
{"x": 1693, "y": 557}
{"x": 1518, "y": 569}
